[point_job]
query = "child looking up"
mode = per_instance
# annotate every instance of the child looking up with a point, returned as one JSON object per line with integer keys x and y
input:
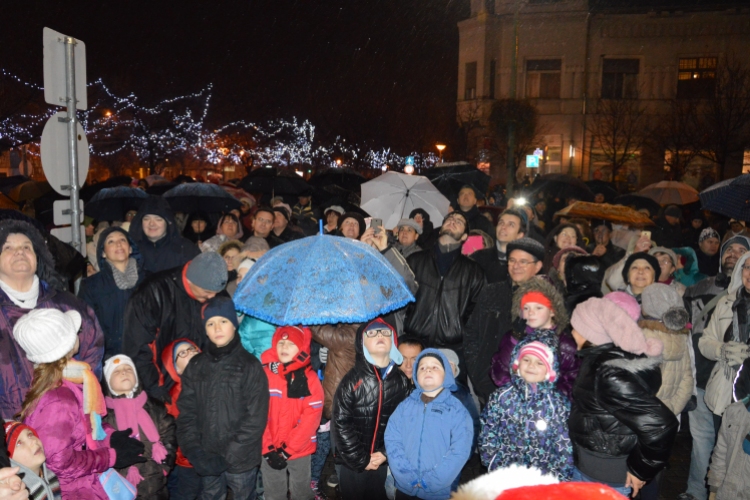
{"x": 429, "y": 436}
{"x": 294, "y": 411}
{"x": 26, "y": 452}
{"x": 525, "y": 421}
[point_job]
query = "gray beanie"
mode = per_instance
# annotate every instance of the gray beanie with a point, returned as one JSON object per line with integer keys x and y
{"x": 662, "y": 302}
{"x": 409, "y": 223}
{"x": 208, "y": 271}
{"x": 528, "y": 245}
{"x": 452, "y": 357}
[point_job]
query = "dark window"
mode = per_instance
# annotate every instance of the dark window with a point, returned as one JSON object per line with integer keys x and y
{"x": 543, "y": 78}
{"x": 696, "y": 78}
{"x": 620, "y": 78}
{"x": 493, "y": 69}
{"x": 471, "y": 81}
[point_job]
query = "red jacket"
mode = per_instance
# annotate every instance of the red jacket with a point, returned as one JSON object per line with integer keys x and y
{"x": 292, "y": 423}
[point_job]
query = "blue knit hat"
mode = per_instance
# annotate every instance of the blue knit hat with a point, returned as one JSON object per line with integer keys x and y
{"x": 222, "y": 306}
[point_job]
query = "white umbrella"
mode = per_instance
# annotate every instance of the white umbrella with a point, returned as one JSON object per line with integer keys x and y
{"x": 392, "y": 196}
{"x": 670, "y": 193}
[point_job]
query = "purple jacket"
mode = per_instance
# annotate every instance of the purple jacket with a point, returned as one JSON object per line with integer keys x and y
{"x": 568, "y": 361}
{"x": 58, "y": 419}
{"x": 16, "y": 371}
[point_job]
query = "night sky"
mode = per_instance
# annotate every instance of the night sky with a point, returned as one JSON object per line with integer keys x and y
{"x": 379, "y": 72}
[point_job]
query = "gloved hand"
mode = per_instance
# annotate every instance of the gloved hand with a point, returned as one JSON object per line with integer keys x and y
{"x": 275, "y": 460}
{"x": 734, "y": 353}
{"x": 208, "y": 464}
{"x": 323, "y": 355}
{"x": 283, "y": 453}
{"x": 127, "y": 449}
{"x": 274, "y": 366}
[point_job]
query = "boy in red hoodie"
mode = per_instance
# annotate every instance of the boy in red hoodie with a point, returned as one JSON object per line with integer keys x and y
{"x": 294, "y": 411}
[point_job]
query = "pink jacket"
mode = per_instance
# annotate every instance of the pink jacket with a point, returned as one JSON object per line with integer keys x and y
{"x": 58, "y": 419}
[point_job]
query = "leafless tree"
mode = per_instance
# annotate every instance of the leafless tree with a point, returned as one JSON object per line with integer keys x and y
{"x": 523, "y": 117}
{"x": 618, "y": 129}
{"x": 675, "y": 133}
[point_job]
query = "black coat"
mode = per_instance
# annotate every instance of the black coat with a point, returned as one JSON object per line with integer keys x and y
{"x": 616, "y": 413}
{"x": 665, "y": 234}
{"x": 612, "y": 256}
{"x": 494, "y": 267}
{"x": 170, "y": 251}
{"x": 224, "y": 407}
{"x": 362, "y": 405}
{"x": 159, "y": 312}
{"x": 109, "y": 302}
{"x": 479, "y": 221}
{"x": 444, "y": 304}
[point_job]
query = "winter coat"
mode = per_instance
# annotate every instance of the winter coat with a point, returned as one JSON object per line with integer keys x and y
{"x": 292, "y": 422}
{"x": 154, "y": 483}
{"x": 429, "y": 443}
{"x": 665, "y": 234}
{"x": 224, "y": 407}
{"x": 170, "y": 251}
{"x": 478, "y": 221}
{"x": 463, "y": 394}
{"x": 407, "y": 251}
{"x": 493, "y": 262}
{"x": 340, "y": 340}
{"x": 159, "y": 312}
{"x": 689, "y": 275}
{"x": 613, "y": 255}
{"x": 256, "y": 335}
{"x": 108, "y": 302}
{"x": 61, "y": 425}
{"x": 729, "y": 475}
{"x": 617, "y": 416}
{"x": 362, "y": 405}
{"x": 676, "y": 370}
{"x": 526, "y": 424}
{"x": 707, "y": 264}
{"x": 16, "y": 372}
{"x": 488, "y": 322}
{"x": 443, "y": 303}
{"x": 46, "y": 487}
{"x": 717, "y": 333}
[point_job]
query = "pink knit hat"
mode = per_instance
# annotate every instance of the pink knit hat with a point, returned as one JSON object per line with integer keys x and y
{"x": 626, "y": 302}
{"x": 601, "y": 321}
{"x": 541, "y": 352}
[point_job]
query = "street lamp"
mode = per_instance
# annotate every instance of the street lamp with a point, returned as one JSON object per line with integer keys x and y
{"x": 409, "y": 169}
{"x": 440, "y": 148}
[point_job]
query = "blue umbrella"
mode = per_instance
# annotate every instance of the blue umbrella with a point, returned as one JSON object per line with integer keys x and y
{"x": 730, "y": 197}
{"x": 321, "y": 280}
{"x": 200, "y": 197}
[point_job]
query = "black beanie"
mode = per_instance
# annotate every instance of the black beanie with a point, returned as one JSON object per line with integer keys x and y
{"x": 353, "y": 215}
{"x": 652, "y": 261}
{"x": 220, "y": 305}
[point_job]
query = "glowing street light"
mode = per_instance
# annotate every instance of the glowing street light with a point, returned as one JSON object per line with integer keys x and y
{"x": 409, "y": 169}
{"x": 440, "y": 148}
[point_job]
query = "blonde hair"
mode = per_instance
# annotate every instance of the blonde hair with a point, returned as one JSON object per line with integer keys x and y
{"x": 46, "y": 376}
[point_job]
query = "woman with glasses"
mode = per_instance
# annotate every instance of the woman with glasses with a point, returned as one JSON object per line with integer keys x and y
{"x": 364, "y": 401}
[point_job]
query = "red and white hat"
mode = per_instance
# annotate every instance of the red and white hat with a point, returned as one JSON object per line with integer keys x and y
{"x": 541, "y": 351}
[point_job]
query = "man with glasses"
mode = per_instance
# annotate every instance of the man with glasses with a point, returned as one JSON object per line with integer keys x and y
{"x": 512, "y": 225}
{"x": 492, "y": 318}
{"x": 449, "y": 285}
{"x": 702, "y": 299}
{"x": 263, "y": 226}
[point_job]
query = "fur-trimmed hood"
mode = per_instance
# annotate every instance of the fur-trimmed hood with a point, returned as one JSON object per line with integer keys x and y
{"x": 635, "y": 365}
{"x": 542, "y": 285}
{"x": 653, "y": 324}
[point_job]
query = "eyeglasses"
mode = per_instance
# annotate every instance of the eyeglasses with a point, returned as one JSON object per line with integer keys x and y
{"x": 183, "y": 354}
{"x": 746, "y": 268}
{"x": 383, "y": 332}
{"x": 523, "y": 263}
{"x": 456, "y": 219}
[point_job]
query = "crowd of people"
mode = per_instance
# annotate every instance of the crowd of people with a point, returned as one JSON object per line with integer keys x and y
{"x": 573, "y": 347}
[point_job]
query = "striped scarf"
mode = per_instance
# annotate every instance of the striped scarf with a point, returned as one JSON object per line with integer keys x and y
{"x": 40, "y": 488}
{"x": 80, "y": 373}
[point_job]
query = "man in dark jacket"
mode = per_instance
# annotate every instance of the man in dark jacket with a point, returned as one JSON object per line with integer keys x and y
{"x": 263, "y": 226}
{"x": 512, "y": 225}
{"x": 467, "y": 205}
{"x": 668, "y": 232}
{"x": 281, "y": 227}
{"x": 108, "y": 291}
{"x": 698, "y": 299}
{"x": 449, "y": 286}
{"x": 155, "y": 232}
{"x": 608, "y": 253}
{"x": 165, "y": 307}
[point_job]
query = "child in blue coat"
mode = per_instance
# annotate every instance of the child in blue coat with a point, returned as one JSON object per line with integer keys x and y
{"x": 428, "y": 438}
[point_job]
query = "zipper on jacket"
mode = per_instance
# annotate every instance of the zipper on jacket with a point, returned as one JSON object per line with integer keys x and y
{"x": 421, "y": 433}
{"x": 380, "y": 403}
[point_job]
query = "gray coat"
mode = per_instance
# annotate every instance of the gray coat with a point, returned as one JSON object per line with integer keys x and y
{"x": 729, "y": 476}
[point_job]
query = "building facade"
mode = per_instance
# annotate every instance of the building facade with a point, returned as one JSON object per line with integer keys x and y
{"x": 566, "y": 55}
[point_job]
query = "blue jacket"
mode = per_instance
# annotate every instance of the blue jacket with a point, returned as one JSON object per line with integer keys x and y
{"x": 108, "y": 302}
{"x": 256, "y": 335}
{"x": 428, "y": 444}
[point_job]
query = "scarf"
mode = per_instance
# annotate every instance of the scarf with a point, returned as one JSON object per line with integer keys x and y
{"x": 128, "y": 279}
{"x": 296, "y": 384}
{"x": 130, "y": 414}
{"x": 80, "y": 373}
{"x": 24, "y": 300}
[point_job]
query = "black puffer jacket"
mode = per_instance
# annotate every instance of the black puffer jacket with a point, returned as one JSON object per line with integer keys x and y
{"x": 362, "y": 406}
{"x": 444, "y": 304}
{"x": 223, "y": 407}
{"x": 616, "y": 415}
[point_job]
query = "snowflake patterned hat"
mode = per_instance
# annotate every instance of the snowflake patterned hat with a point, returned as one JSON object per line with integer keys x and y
{"x": 542, "y": 352}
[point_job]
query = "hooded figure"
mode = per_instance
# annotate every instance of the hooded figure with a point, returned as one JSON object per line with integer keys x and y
{"x": 583, "y": 279}
{"x": 208, "y": 231}
{"x": 429, "y": 439}
{"x": 730, "y": 463}
{"x": 169, "y": 251}
{"x": 526, "y": 423}
{"x": 689, "y": 274}
{"x": 108, "y": 291}
{"x": 429, "y": 235}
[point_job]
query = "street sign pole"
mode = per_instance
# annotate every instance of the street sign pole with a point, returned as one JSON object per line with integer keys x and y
{"x": 70, "y": 103}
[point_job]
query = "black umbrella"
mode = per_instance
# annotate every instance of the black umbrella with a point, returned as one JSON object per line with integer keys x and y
{"x": 562, "y": 186}
{"x": 341, "y": 177}
{"x": 274, "y": 182}
{"x": 8, "y": 183}
{"x": 200, "y": 197}
{"x": 638, "y": 202}
{"x": 113, "y": 203}
{"x": 182, "y": 179}
{"x": 88, "y": 191}
{"x": 730, "y": 197}
{"x": 449, "y": 180}
{"x": 603, "y": 187}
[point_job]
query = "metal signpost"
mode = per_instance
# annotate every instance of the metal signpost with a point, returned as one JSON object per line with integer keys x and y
{"x": 65, "y": 82}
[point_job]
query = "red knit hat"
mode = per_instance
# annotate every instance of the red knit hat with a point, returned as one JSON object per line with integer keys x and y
{"x": 540, "y": 351}
{"x": 13, "y": 431}
{"x": 301, "y": 336}
{"x": 537, "y": 298}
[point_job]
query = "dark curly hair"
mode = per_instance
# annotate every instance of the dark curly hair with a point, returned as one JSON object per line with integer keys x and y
{"x": 45, "y": 263}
